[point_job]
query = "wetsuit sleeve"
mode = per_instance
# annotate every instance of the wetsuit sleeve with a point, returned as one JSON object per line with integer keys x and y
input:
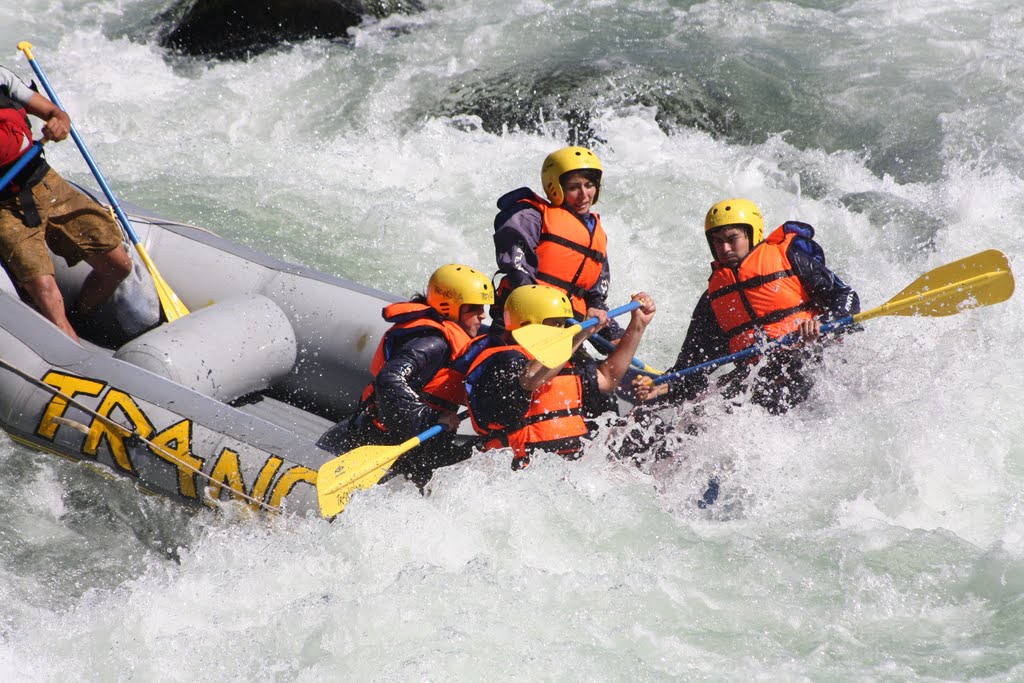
{"x": 704, "y": 341}
{"x": 408, "y": 370}
{"x": 497, "y": 396}
{"x": 827, "y": 290}
{"x": 17, "y": 89}
{"x": 515, "y": 246}
{"x": 594, "y": 401}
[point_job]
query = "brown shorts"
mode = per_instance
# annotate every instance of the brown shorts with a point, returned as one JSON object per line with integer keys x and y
{"x": 73, "y": 225}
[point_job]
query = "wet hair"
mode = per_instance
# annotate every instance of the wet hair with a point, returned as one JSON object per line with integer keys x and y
{"x": 749, "y": 229}
{"x": 591, "y": 174}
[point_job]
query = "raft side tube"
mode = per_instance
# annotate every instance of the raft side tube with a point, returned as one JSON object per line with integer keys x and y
{"x": 227, "y": 350}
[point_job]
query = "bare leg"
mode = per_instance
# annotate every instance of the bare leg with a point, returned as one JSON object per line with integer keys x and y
{"x": 50, "y": 302}
{"x": 108, "y": 270}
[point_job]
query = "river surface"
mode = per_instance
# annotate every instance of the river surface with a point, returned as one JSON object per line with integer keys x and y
{"x": 875, "y": 533}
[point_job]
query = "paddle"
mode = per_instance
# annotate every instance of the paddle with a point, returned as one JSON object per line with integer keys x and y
{"x": 172, "y": 306}
{"x": 980, "y": 280}
{"x": 552, "y": 346}
{"x": 606, "y": 347}
{"x": 361, "y": 468}
{"x": 603, "y": 346}
{"x": 22, "y": 161}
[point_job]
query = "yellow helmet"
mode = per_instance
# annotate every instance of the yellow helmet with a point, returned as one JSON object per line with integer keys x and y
{"x": 533, "y": 304}
{"x": 562, "y": 161}
{"x": 453, "y": 285}
{"x": 735, "y": 212}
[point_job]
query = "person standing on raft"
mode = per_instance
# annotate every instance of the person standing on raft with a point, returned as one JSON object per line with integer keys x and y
{"x": 39, "y": 211}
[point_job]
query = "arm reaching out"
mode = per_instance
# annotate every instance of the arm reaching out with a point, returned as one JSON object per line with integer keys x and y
{"x": 614, "y": 367}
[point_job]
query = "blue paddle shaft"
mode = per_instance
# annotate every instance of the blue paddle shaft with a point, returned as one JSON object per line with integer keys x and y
{"x": 614, "y": 313}
{"x": 88, "y": 157}
{"x": 438, "y": 428}
{"x": 606, "y": 347}
{"x": 430, "y": 433}
{"x": 22, "y": 161}
{"x": 789, "y": 339}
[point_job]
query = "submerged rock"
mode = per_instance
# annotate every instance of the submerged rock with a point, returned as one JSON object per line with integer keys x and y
{"x": 572, "y": 96}
{"x": 235, "y": 29}
{"x": 907, "y": 229}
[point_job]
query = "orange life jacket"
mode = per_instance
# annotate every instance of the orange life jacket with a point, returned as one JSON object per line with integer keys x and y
{"x": 445, "y": 390}
{"x": 554, "y": 421}
{"x": 569, "y": 256}
{"x": 763, "y": 296}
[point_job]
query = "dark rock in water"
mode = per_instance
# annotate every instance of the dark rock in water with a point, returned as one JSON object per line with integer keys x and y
{"x": 574, "y": 94}
{"x": 710, "y": 494}
{"x": 241, "y": 28}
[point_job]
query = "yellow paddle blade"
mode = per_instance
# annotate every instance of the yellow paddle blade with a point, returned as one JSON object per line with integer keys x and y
{"x": 552, "y": 346}
{"x": 360, "y": 468}
{"x": 980, "y": 280}
{"x": 169, "y": 301}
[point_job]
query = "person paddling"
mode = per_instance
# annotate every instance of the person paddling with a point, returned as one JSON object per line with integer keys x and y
{"x": 39, "y": 209}
{"x": 559, "y": 242}
{"x": 760, "y": 289}
{"x": 418, "y": 372}
{"x": 517, "y": 402}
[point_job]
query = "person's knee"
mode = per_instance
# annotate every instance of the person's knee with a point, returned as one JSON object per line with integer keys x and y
{"x": 122, "y": 263}
{"x": 115, "y": 264}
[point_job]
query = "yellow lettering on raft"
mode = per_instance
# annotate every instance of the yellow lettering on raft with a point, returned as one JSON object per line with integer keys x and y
{"x": 226, "y": 471}
{"x": 288, "y": 481}
{"x": 176, "y": 440}
{"x": 266, "y": 475}
{"x": 70, "y": 386}
{"x": 99, "y": 430}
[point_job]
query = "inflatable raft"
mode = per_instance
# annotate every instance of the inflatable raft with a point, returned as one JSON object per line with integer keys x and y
{"x": 224, "y": 403}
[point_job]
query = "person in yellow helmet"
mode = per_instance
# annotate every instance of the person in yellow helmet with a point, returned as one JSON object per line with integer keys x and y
{"x": 517, "y": 402}
{"x": 558, "y": 241}
{"x": 418, "y": 371}
{"x": 760, "y": 289}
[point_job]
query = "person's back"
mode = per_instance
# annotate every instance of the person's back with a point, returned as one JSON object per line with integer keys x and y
{"x": 517, "y": 402}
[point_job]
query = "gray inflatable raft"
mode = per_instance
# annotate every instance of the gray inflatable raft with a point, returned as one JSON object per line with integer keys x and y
{"x": 224, "y": 403}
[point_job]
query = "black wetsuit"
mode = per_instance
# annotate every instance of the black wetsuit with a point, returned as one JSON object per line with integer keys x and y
{"x": 414, "y": 360}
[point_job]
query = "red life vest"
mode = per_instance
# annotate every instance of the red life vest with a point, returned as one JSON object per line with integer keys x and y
{"x": 554, "y": 421}
{"x": 569, "y": 256}
{"x": 445, "y": 390}
{"x": 15, "y": 130}
{"x": 763, "y": 296}
{"x": 15, "y": 139}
